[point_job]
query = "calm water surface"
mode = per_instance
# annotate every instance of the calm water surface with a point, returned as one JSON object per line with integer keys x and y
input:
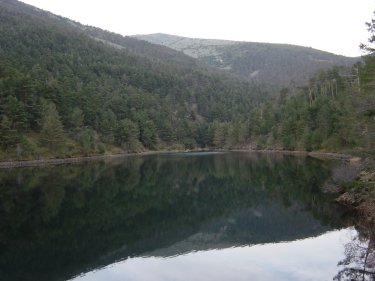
{"x": 197, "y": 216}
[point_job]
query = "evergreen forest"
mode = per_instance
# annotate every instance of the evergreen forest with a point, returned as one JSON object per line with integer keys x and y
{"x": 72, "y": 90}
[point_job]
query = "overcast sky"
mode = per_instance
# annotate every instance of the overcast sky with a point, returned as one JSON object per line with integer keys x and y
{"x": 336, "y": 26}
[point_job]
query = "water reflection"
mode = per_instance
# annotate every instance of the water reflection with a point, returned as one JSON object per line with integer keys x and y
{"x": 60, "y": 222}
{"x": 308, "y": 259}
{"x": 359, "y": 261}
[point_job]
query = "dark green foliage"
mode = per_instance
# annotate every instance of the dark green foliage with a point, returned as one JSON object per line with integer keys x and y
{"x": 87, "y": 140}
{"x": 366, "y": 102}
{"x": 94, "y": 85}
{"x": 57, "y": 222}
{"x": 127, "y": 135}
{"x": 60, "y": 86}
{"x": 327, "y": 114}
{"x": 52, "y": 133}
{"x": 369, "y": 46}
{"x": 16, "y": 112}
{"x": 8, "y": 135}
{"x": 77, "y": 118}
{"x": 148, "y": 134}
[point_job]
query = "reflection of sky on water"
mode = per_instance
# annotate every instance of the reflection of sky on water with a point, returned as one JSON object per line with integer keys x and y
{"x": 308, "y": 259}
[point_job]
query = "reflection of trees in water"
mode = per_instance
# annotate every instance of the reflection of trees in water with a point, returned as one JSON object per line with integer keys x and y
{"x": 150, "y": 203}
{"x": 359, "y": 261}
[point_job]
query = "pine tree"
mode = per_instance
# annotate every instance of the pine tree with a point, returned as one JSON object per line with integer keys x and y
{"x": 367, "y": 88}
{"x": 8, "y": 136}
{"x": 52, "y": 133}
{"x": 149, "y": 134}
{"x": 369, "y": 47}
{"x": 87, "y": 140}
{"x": 127, "y": 134}
{"x": 77, "y": 118}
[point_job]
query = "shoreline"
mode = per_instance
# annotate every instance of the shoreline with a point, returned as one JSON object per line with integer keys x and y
{"x": 362, "y": 205}
{"x": 315, "y": 154}
{"x": 79, "y": 159}
{"x": 72, "y": 160}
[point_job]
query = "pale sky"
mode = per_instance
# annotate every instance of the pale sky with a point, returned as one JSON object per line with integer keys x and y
{"x": 336, "y": 26}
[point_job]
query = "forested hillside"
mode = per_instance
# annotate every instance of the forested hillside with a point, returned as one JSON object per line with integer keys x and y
{"x": 72, "y": 90}
{"x": 64, "y": 93}
{"x": 273, "y": 65}
{"x": 335, "y": 111}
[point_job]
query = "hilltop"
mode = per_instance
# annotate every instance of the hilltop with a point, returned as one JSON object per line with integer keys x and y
{"x": 278, "y": 65}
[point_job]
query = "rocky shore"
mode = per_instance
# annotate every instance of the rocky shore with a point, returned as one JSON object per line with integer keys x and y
{"x": 357, "y": 191}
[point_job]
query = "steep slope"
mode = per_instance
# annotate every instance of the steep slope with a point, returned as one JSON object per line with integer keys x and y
{"x": 278, "y": 65}
{"x": 112, "y": 39}
{"x": 63, "y": 90}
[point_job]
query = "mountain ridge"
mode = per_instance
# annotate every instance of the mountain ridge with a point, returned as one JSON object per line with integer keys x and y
{"x": 107, "y": 37}
{"x": 279, "y": 65}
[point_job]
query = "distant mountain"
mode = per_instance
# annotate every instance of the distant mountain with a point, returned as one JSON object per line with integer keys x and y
{"x": 272, "y": 64}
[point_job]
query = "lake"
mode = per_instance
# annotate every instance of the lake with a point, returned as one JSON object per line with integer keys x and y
{"x": 175, "y": 216}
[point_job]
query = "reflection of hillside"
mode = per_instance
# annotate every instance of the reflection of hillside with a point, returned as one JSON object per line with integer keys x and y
{"x": 269, "y": 222}
{"x": 61, "y": 221}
